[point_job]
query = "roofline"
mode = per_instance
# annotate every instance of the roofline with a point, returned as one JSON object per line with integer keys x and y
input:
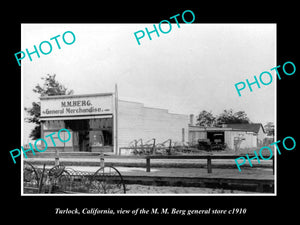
{"x": 75, "y": 96}
{"x": 155, "y": 108}
{"x": 217, "y": 129}
{"x": 253, "y": 123}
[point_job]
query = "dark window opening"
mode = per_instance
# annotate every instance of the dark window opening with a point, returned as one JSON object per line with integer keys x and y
{"x": 81, "y": 132}
{"x": 91, "y": 133}
{"x": 216, "y": 137}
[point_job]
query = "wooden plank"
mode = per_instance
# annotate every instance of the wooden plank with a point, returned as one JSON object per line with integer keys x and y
{"x": 208, "y": 157}
{"x": 191, "y": 156}
{"x": 173, "y": 156}
{"x": 194, "y": 156}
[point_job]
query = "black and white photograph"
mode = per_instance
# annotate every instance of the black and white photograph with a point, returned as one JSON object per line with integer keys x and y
{"x": 163, "y": 117}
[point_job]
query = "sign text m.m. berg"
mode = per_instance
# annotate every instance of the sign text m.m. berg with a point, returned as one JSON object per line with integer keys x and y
{"x": 76, "y": 103}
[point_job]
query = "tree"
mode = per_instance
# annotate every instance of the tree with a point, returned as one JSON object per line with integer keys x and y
{"x": 50, "y": 87}
{"x": 206, "y": 119}
{"x": 228, "y": 116}
{"x": 270, "y": 128}
{"x": 241, "y": 117}
{"x": 34, "y": 113}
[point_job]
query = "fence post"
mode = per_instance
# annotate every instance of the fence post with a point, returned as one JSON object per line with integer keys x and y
{"x": 101, "y": 159}
{"x": 209, "y": 169}
{"x": 153, "y": 147}
{"x": 170, "y": 145}
{"x": 56, "y": 157}
{"x": 41, "y": 179}
{"x": 147, "y": 164}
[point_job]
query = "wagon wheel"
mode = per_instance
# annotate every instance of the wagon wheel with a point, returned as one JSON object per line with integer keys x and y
{"x": 107, "y": 180}
{"x": 76, "y": 181}
{"x": 56, "y": 171}
{"x": 63, "y": 182}
{"x": 135, "y": 151}
{"x": 30, "y": 175}
{"x": 59, "y": 179}
{"x": 147, "y": 151}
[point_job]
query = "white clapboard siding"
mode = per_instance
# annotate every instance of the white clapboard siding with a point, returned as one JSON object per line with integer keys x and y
{"x": 250, "y": 139}
{"x": 194, "y": 136}
{"x": 138, "y": 122}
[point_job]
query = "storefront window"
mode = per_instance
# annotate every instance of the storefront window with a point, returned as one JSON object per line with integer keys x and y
{"x": 53, "y": 124}
{"x": 104, "y": 123}
{"x": 101, "y": 132}
{"x": 96, "y": 138}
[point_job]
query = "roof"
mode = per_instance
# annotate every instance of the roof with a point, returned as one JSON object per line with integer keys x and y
{"x": 200, "y": 128}
{"x": 75, "y": 96}
{"x": 252, "y": 127}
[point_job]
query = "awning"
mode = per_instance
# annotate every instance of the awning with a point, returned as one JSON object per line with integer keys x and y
{"x": 75, "y": 117}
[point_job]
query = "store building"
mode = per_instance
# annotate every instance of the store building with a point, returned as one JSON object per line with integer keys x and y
{"x": 249, "y": 135}
{"x": 256, "y": 129}
{"x": 102, "y": 122}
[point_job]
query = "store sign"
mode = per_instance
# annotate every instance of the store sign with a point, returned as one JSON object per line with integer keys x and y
{"x": 71, "y": 106}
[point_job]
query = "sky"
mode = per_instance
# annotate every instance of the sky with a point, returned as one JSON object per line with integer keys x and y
{"x": 190, "y": 69}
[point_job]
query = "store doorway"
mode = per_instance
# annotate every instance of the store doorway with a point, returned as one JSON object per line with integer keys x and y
{"x": 84, "y": 141}
{"x": 81, "y": 134}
